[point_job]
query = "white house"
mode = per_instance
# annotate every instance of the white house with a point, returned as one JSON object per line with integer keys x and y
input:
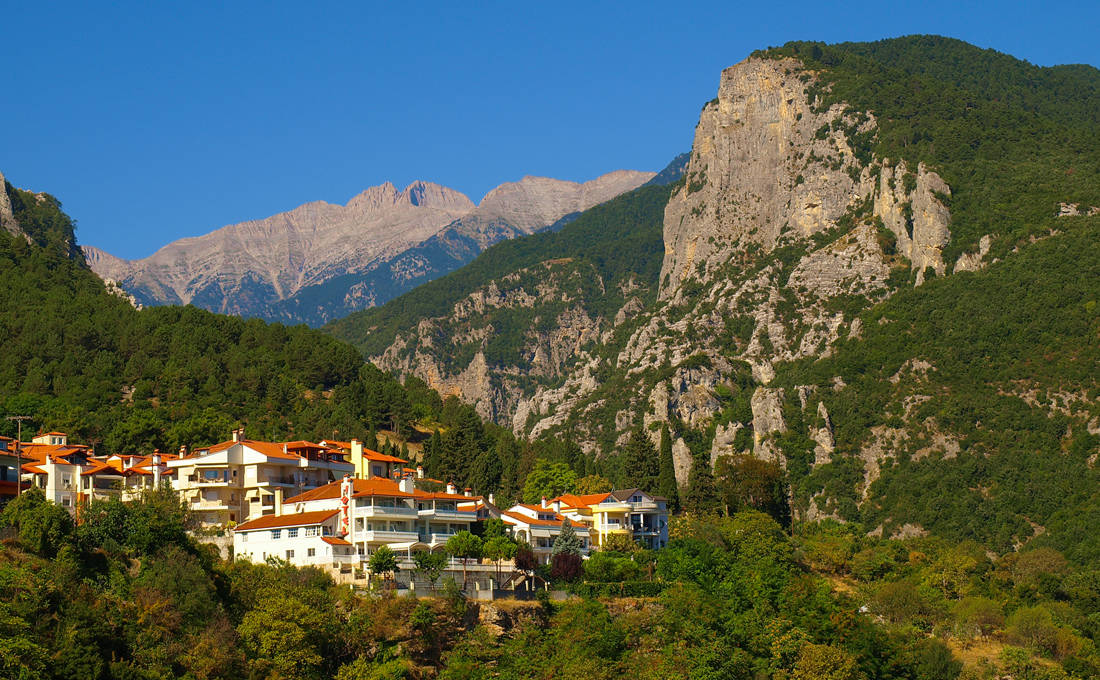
{"x": 242, "y": 479}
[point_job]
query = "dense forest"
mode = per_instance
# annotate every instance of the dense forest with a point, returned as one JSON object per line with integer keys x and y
{"x": 128, "y": 595}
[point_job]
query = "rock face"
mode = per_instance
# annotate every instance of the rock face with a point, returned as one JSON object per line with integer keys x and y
{"x": 909, "y": 206}
{"x": 322, "y": 260}
{"x": 7, "y": 219}
{"x": 754, "y": 173}
{"x": 779, "y": 236}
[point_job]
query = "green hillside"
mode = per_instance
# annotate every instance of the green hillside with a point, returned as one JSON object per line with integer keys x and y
{"x": 619, "y": 238}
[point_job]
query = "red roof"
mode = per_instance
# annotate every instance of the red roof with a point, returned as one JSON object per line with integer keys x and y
{"x": 570, "y": 500}
{"x": 375, "y": 486}
{"x": 299, "y": 519}
{"x": 331, "y": 540}
{"x": 527, "y": 519}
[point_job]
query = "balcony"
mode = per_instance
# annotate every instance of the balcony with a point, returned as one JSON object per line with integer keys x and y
{"x": 613, "y": 506}
{"x": 403, "y": 511}
{"x": 206, "y": 482}
{"x": 387, "y": 536}
{"x": 454, "y": 515}
{"x": 434, "y": 539}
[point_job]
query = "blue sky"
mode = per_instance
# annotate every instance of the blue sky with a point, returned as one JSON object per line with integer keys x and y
{"x": 153, "y": 121}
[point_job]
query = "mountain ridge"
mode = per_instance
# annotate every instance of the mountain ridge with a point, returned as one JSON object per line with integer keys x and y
{"x": 341, "y": 258}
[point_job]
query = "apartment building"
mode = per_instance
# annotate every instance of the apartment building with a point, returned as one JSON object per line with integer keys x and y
{"x": 243, "y": 479}
{"x": 368, "y": 463}
{"x": 630, "y": 512}
{"x": 353, "y": 518}
{"x": 72, "y": 476}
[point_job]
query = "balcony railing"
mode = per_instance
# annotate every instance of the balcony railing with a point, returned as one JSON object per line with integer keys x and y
{"x": 460, "y": 515}
{"x": 387, "y": 536}
{"x": 385, "y": 511}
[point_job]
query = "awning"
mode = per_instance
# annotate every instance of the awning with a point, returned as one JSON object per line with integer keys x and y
{"x": 408, "y": 545}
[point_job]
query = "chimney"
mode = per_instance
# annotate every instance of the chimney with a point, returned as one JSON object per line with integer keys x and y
{"x": 420, "y": 472}
{"x": 491, "y": 501}
{"x": 278, "y": 502}
{"x": 284, "y": 447}
{"x": 361, "y": 471}
{"x": 236, "y": 435}
{"x": 451, "y": 488}
{"x": 183, "y": 450}
{"x": 557, "y": 506}
{"x": 406, "y": 485}
{"x": 544, "y": 503}
{"x": 156, "y": 468}
{"x": 468, "y": 492}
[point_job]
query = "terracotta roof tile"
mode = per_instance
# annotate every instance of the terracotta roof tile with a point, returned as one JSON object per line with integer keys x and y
{"x": 293, "y": 520}
{"x": 332, "y": 540}
{"x": 526, "y": 519}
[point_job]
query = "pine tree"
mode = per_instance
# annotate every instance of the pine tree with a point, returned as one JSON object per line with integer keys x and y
{"x": 567, "y": 541}
{"x": 666, "y": 480}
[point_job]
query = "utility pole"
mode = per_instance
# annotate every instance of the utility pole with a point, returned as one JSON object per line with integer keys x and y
{"x": 19, "y": 453}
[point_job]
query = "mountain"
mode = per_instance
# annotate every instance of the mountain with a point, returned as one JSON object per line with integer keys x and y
{"x": 878, "y": 271}
{"x": 321, "y": 261}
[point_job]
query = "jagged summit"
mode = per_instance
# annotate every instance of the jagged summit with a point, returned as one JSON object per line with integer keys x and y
{"x": 322, "y": 260}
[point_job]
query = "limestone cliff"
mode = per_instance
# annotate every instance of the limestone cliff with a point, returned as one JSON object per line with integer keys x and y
{"x": 7, "y": 219}
{"x": 780, "y": 234}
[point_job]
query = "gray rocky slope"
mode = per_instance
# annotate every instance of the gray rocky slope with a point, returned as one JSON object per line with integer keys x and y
{"x": 320, "y": 260}
{"x": 776, "y": 239}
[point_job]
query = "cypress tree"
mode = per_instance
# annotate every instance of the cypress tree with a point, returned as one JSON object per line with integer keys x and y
{"x": 666, "y": 480}
{"x": 640, "y": 465}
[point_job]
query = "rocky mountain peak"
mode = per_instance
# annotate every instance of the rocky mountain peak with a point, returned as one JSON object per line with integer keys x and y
{"x": 535, "y": 202}
{"x": 418, "y": 194}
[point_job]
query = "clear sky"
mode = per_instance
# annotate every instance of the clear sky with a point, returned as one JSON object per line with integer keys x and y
{"x": 153, "y": 120}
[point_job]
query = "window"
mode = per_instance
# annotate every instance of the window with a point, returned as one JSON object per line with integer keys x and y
{"x": 377, "y": 471}
{"x": 275, "y": 534}
{"x": 312, "y": 552}
{"x": 244, "y": 537}
{"x": 316, "y": 531}
{"x": 290, "y": 554}
{"x": 292, "y": 533}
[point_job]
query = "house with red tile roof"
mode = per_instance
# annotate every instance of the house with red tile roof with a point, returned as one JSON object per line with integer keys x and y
{"x": 301, "y": 538}
{"x": 366, "y": 514}
{"x": 539, "y": 526}
{"x": 243, "y": 479}
{"x": 368, "y": 463}
{"x": 637, "y": 514}
{"x": 71, "y": 475}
